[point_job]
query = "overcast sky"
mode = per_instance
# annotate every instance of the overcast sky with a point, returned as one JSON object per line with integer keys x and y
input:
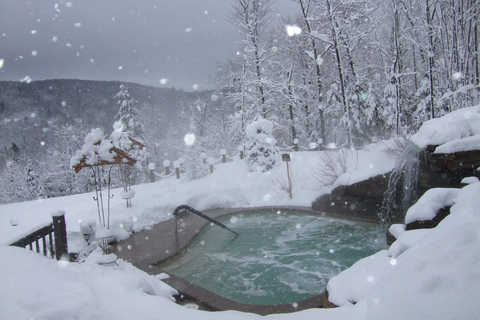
{"x": 141, "y": 41}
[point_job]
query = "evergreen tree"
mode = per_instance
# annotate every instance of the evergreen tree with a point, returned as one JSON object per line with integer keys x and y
{"x": 33, "y": 188}
{"x": 129, "y": 123}
{"x": 260, "y": 145}
{"x": 127, "y": 117}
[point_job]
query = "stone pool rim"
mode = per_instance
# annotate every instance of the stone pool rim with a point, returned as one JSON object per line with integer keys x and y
{"x": 146, "y": 257}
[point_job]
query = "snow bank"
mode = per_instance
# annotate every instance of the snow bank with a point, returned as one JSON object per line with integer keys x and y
{"x": 456, "y": 131}
{"x": 430, "y": 203}
{"x": 375, "y": 159}
{"x": 426, "y": 274}
{"x": 40, "y": 288}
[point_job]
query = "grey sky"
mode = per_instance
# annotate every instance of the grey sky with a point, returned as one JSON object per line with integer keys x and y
{"x": 137, "y": 41}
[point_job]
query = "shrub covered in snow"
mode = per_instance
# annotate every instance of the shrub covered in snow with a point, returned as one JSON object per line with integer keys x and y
{"x": 260, "y": 145}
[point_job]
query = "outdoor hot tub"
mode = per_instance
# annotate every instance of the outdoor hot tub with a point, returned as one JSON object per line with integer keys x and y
{"x": 280, "y": 257}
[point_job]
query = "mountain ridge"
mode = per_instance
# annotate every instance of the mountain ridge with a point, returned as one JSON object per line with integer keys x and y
{"x": 28, "y": 111}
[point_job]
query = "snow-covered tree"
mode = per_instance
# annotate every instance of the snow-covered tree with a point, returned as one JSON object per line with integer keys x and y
{"x": 127, "y": 117}
{"x": 129, "y": 123}
{"x": 33, "y": 186}
{"x": 260, "y": 145}
{"x": 252, "y": 18}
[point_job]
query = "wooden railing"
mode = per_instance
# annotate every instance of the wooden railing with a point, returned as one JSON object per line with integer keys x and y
{"x": 50, "y": 240}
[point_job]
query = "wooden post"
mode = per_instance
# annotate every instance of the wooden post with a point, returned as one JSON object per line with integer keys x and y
{"x": 286, "y": 158}
{"x": 60, "y": 230}
{"x": 223, "y": 152}
{"x": 211, "y": 162}
{"x": 166, "y": 165}
{"x": 240, "y": 149}
{"x": 151, "y": 167}
{"x": 176, "y": 165}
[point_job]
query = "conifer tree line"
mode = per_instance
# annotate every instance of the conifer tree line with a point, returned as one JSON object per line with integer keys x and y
{"x": 340, "y": 73}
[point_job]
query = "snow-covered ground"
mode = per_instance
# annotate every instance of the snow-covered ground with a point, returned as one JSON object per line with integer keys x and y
{"x": 426, "y": 274}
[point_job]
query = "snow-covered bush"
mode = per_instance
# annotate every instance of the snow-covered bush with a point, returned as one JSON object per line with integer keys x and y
{"x": 260, "y": 145}
{"x": 333, "y": 165}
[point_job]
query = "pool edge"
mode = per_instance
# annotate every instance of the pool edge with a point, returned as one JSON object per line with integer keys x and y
{"x": 162, "y": 235}
{"x": 215, "y": 302}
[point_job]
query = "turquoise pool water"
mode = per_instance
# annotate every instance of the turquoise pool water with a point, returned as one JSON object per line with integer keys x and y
{"x": 280, "y": 257}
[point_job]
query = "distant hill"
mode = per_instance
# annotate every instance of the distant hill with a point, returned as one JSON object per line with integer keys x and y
{"x": 29, "y": 110}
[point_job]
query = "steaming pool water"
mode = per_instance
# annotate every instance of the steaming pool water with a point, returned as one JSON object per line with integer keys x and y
{"x": 280, "y": 257}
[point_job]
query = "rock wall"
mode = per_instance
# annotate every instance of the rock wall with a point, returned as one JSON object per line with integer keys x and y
{"x": 359, "y": 201}
{"x": 363, "y": 200}
{"x": 440, "y": 170}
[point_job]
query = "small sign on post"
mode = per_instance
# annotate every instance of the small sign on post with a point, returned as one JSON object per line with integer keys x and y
{"x": 286, "y": 158}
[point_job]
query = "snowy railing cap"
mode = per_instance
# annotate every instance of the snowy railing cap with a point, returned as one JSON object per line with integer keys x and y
{"x": 166, "y": 163}
{"x": 151, "y": 166}
{"x": 223, "y": 152}
{"x": 211, "y": 161}
{"x": 58, "y": 213}
{"x": 176, "y": 164}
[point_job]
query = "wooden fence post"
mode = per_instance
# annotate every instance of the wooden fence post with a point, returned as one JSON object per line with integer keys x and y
{"x": 295, "y": 144}
{"x": 223, "y": 152}
{"x": 176, "y": 165}
{"x": 211, "y": 162}
{"x": 166, "y": 166}
{"x": 240, "y": 149}
{"x": 60, "y": 231}
{"x": 151, "y": 167}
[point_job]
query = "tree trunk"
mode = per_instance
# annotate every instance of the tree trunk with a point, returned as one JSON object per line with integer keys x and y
{"x": 431, "y": 56}
{"x": 319, "y": 84}
{"x": 338, "y": 57}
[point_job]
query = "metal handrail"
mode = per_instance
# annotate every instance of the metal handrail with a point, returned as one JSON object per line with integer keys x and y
{"x": 198, "y": 213}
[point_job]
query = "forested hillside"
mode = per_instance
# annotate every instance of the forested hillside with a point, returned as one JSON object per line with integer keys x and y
{"x": 43, "y": 124}
{"x": 30, "y": 111}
